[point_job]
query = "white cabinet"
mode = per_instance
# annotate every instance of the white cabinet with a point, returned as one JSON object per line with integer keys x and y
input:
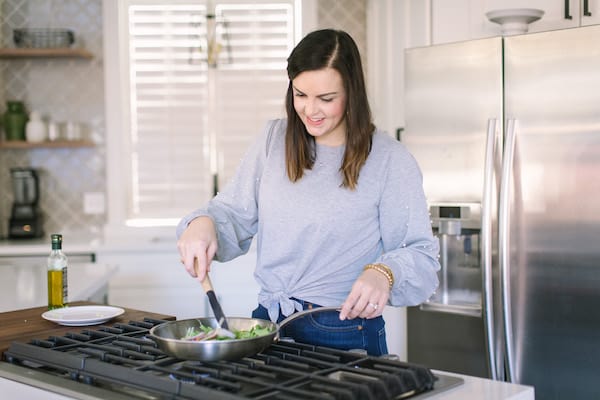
{"x": 235, "y": 285}
{"x": 459, "y": 20}
{"x": 24, "y": 282}
{"x": 154, "y": 280}
{"x": 558, "y": 14}
{"x": 590, "y": 12}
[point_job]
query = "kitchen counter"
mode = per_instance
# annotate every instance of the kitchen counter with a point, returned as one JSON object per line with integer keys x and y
{"x": 84, "y": 243}
{"x": 72, "y": 245}
{"x": 24, "y": 325}
{"x": 475, "y": 388}
{"x": 472, "y": 389}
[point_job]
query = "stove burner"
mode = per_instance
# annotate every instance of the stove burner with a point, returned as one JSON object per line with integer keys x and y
{"x": 123, "y": 359}
{"x": 182, "y": 372}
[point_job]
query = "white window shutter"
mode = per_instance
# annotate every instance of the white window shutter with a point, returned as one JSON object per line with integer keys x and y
{"x": 189, "y": 121}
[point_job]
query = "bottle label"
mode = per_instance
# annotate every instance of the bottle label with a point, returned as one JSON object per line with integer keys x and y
{"x": 55, "y": 289}
{"x": 65, "y": 287}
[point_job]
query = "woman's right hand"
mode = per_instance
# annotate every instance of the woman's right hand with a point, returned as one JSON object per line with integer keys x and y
{"x": 198, "y": 241}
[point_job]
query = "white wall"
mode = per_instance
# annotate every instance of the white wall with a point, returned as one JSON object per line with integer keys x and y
{"x": 393, "y": 25}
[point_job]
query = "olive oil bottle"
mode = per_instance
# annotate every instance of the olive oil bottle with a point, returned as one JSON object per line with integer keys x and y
{"x": 57, "y": 275}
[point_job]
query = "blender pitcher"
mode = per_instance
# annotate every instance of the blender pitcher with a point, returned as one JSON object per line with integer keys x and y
{"x": 25, "y": 220}
{"x": 25, "y": 186}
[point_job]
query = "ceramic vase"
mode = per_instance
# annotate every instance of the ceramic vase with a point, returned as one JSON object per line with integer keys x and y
{"x": 35, "y": 130}
{"x": 14, "y": 120}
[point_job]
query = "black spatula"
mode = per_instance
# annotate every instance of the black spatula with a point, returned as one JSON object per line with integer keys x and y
{"x": 214, "y": 304}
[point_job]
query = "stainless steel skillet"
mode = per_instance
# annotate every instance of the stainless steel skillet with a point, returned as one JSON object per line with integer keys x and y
{"x": 168, "y": 337}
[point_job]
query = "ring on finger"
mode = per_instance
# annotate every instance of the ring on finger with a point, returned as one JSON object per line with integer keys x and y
{"x": 374, "y": 306}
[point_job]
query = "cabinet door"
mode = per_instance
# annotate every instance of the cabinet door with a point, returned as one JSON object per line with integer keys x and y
{"x": 590, "y": 12}
{"x": 452, "y": 21}
{"x": 235, "y": 284}
{"x": 461, "y": 20}
{"x": 24, "y": 282}
{"x": 157, "y": 282}
{"x": 154, "y": 282}
{"x": 558, "y": 14}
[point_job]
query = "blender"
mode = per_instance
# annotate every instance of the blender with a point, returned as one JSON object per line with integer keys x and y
{"x": 25, "y": 219}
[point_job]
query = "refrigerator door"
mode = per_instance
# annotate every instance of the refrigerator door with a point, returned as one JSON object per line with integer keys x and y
{"x": 551, "y": 221}
{"x": 451, "y": 92}
{"x": 453, "y": 127}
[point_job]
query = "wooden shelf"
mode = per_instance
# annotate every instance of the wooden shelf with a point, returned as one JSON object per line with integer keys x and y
{"x": 18, "y": 144}
{"x": 45, "y": 53}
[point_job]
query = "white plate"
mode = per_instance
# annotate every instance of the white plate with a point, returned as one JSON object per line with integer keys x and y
{"x": 82, "y": 315}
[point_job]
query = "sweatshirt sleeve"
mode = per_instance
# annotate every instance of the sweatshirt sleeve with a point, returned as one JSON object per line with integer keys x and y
{"x": 234, "y": 210}
{"x": 409, "y": 247}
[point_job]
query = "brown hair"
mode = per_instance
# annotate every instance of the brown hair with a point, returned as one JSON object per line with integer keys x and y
{"x": 320, "y": 49}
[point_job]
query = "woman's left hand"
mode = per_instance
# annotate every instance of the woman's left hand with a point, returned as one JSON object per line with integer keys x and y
{"x": 368, "y": 297}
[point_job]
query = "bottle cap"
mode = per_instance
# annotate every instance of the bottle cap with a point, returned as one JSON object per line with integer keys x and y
{"x": 56, "y": 240}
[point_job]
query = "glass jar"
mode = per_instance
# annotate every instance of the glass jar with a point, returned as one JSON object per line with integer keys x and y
{"x": 14, "y": 120}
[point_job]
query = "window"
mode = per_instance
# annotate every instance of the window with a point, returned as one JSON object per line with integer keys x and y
{"x": 197, "y": 86}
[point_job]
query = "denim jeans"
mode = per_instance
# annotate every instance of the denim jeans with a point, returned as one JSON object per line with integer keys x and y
{"x": 326, "y": 329}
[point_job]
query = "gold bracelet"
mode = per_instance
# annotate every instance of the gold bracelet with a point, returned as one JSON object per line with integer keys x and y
{"x": 384, "y": 269}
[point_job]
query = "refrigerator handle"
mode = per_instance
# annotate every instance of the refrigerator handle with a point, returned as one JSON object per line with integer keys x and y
{"x": 486, "y": 246}
{"x": 503, "y": 245}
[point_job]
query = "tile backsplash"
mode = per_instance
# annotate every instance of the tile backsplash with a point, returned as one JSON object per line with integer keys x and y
{"x": 347, "y": 15}
{"x": 61, "y": 89}
{"x": 72, "y": 89}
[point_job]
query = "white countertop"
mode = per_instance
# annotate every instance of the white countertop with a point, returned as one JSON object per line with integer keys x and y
{"x": 41, "y": 247}
{"x": 75, "y": 243}
{"x": 472, "y": 389}
{"x": 475, "y": 388}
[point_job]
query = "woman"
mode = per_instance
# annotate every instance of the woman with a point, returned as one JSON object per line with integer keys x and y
{"x": 337, "y": 208}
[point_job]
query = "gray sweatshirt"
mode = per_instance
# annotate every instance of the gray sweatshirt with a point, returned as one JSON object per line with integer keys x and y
{"x": 314, "y": 237}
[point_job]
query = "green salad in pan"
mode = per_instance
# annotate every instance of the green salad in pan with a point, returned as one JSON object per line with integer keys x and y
{"x": 203, "y": 332}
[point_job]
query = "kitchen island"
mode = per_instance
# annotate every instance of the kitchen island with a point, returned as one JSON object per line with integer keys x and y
{"x": 24, "y": 325}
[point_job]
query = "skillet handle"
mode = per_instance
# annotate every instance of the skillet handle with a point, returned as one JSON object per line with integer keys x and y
{"x": 301, "y": 314}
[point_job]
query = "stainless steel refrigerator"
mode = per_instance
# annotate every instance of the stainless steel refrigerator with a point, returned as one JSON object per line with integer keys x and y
{"x": 507, "y": 133}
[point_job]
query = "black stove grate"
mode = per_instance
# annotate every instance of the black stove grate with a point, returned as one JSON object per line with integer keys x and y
{"x": 122, "y": 358}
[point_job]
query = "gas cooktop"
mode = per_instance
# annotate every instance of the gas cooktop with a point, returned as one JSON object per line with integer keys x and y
{"x": 120, "y": 361}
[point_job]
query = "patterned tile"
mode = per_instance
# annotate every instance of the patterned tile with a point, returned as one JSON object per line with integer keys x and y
{"x": 347, "y": 15}
{"x": 62, "y": 90}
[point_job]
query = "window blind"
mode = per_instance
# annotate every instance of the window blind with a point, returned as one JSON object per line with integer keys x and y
{"x": 202, "y": 85}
